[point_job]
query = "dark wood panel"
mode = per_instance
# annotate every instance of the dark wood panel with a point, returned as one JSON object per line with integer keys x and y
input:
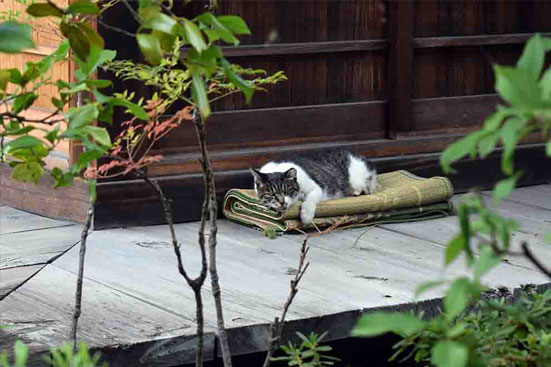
{"x": 304, "y": 48}
{"x": 400, "y": 66}
{"x": 68, "y": 203}
{"x": 289, "y": 21}
{"x": 445, "y": 72}
{"x": 283, "y": 126}
{"x": 463, "y": 18}
{"x": 127, "y": 203}
{"x": 479, "y": 40}
{"x": 451, "y": 113}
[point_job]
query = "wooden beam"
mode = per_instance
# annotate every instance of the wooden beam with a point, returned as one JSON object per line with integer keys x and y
{"x": 481, "y": 40}
{"x": 400, "y": 59}
{"x": 305, "y": 48}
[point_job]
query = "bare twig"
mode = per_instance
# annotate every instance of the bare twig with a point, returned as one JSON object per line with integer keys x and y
{"x": 528, "y": 253}
{"x": 194, "y": 283}
{"x": 116, "y": 29}
{"x": 276, "y": 328}
{"x": 210, "y": 203}
{"x": 78, "y": 293}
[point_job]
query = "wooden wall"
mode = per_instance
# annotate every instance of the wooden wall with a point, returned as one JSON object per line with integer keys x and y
{"x": 393, "y": 80}
{"x": 46, "y": 37}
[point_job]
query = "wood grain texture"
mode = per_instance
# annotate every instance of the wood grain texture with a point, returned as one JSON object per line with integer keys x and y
{"x": 66, "y": 203}
{"x": 480, "y": 40}
{"x": 36, "y": 246}
{"x": 352, "y": 271}
{"x": 12, "y": 278}
{"x": 14, "y": 221}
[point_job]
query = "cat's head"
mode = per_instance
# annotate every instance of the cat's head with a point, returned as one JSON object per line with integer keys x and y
{"x": 277, "y": 190}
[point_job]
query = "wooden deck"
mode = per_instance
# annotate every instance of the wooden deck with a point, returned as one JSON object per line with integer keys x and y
{"x": 139, "y": 311}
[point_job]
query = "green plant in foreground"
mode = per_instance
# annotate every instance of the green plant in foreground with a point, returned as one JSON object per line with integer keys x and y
{"x": 309, "y": 353}
{"x": 64, "y": 356}
{"x": 496, "y": 334}
{"x": 491, "y": 334}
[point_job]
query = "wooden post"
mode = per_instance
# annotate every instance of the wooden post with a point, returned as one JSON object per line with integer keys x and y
{"x": 400, "y": 59}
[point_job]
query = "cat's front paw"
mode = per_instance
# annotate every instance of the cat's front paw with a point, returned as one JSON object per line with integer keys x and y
{"x": 307, "y": 213}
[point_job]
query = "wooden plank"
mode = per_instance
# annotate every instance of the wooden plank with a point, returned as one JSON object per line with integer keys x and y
{"x": 304, "y": 48}
{"x": 14, "y": 220}
{"x": 36, "y": 246}
{"x": 537, "y": 196}
{"x": 14, "y": 277}
{"x": 455, "y": 114}
{"x": 284, "y": 125}
{"x": 40, "y": 312}
{"x": 400, "y": 59}
{"x": 479, "y": 40}
{"x": 67, "y": 203}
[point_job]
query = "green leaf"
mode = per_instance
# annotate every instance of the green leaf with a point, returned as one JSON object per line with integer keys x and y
{"x": 150, "y": 47}
{"x": 423, "y": 287}
{"x": 487, "y": 144}
{"x": 218, "y": 30}
{"x": 518, "y": 87}
{"x": 504, "y": 188}
{"x": 91, "y": 34}
{"x": 87, "y": 157}
{"x": 44, "y": 10}
{"x": 510, "y": 134}
{"x": 378, "y": 323}
{"x": 81, "y": 116}
{"x": 92, "y": 190}
{"x": 454, "y": 248}
{"x": 235, "y": 24}
{"x": 449, "y": 354}
{"x": 80, "y": 44}
{"x": 83, "y": 7}
{"x": 545, "y": 84}
{"x": 194, "y": 36}
{"x": 548, "y": 149}
{"x": 236, "y": 80}
{"x": 486, "y": 261}
{"x": 28, "y": 172}
{"x": 4, "y": 79}
{"x": 61, "y": 178}
{"x": 99, "y": 83}
{"x": 160, "y": 22}
{"x": 23, "y": 102}
{"x": 134, "y": 109}
{"x": 99, "y": 134}
{"x": 25, "y": 141}
{"x": 458, "y": 150}
{"x": 21, "y": 352}
{"x": 16, "y": 77}
{"x": 61, "y": 51}
{"x": 457, "y": 297}
{"x": 199, "y": 94}
{"x": 532, "y": 57}
{"x": 15, "y": 37}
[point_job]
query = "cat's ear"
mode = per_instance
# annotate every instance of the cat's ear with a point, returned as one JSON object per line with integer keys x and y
{"x": 259, "y": 177}
{"x": 291, "y": 174}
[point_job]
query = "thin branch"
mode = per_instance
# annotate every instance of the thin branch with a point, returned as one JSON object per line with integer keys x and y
{"x": 78, "y": 292}
{"x": 195, "y": 284}
{"x": 530, "y": 255}
{"x": 41, "y": 121}
{"x": 116, "y": 29}
{"x": 210, "y": 198}
{"x": 132, "y": 11}
{"x": 276, "y": 328}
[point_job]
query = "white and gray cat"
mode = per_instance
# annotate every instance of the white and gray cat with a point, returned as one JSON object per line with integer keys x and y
{"x": 313, "y": 178}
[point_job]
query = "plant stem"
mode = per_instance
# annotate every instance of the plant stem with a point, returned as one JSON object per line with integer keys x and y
{"x": 210, "y": 199}
{"x": 78, "y": 292}
{"x": 276, "y": 328}
{"x": 195, "y": 284}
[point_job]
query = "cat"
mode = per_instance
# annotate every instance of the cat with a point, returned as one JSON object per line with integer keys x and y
{"x": 313, "y": 178}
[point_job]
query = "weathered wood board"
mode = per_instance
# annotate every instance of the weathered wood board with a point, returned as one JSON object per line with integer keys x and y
{"x": 139, "y": 311}
{"x": 14, "y": 220}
